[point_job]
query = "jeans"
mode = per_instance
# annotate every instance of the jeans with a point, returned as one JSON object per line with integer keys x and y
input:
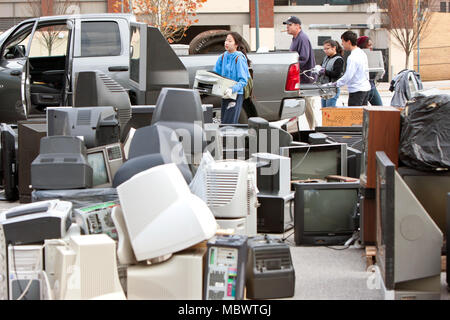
{"x": 231, "y": 109}
{"x": 374, "y": 97}
{"x": 332, "y": 101}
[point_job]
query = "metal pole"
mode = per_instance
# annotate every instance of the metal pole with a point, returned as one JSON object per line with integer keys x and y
{"x": 131, "y": 5}
{"x": 257, "y": 23}
{"x": 419, "y": 17}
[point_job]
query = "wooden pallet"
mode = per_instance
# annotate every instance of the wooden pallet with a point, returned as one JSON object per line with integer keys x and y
{"x": 370, "y": 254}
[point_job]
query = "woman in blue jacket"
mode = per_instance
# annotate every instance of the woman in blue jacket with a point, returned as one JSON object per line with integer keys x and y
{"x": 233, "y": 64}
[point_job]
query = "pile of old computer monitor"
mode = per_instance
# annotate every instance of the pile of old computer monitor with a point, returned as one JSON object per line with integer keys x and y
{"x": 179, "y": 207}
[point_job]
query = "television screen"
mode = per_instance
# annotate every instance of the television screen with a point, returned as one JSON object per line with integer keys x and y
{"x": 320, "y": 218}
{"x": 325, "y": 213}
{"x": 100, "y": 172}
{"x": 317, "y": 161}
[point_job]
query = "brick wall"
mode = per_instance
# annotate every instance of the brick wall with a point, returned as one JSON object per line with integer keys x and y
{"x": 434, "y": 49}
{"x": 265, "y": 13}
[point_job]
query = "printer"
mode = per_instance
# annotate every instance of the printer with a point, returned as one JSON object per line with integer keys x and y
{"x": 210, "y": 83}
{"x": 35, "y": 222}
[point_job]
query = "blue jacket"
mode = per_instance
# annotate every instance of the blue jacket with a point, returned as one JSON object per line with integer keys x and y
{"x": 237, "y": 71}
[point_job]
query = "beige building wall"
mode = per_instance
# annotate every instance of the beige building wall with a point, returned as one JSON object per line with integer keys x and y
{"x": 397, "y": 58}
{"x": 219, "y": 6}
{"x": 434, "y": 49}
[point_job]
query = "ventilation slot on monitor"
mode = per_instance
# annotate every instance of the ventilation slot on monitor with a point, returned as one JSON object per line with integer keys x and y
{"x": 47, "y": 160}
{"x": 112, "y": 85}
{"x": 221, "y": 187}
{"x": 70, "y": 160}
{"x": 124, "y": 115}
{"x": 269, "y": 260}
{"x": 84, "y": 117}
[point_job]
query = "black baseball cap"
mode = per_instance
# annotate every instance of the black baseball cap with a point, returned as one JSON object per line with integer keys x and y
{"x": 292, "y": 19}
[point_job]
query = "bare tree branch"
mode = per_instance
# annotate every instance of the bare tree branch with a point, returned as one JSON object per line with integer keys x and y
{"x": 171, "y": 17}
{"x": 406, "y": 21}
{"x": 39, "y": 8}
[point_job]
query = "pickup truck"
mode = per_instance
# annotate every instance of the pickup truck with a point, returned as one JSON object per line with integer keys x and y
{"x": 32, "y": 79}
{"x": 276, "y": 84}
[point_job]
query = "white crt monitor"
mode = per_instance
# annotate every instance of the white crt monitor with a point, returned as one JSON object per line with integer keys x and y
{"x": 161, "y": 214}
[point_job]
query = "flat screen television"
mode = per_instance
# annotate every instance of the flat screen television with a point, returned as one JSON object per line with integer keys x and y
{"x": 316, "y": 161}
{"x": 409, "y": 242}
{"x": 9, "y": 172}
{"x": 325, "y": 213}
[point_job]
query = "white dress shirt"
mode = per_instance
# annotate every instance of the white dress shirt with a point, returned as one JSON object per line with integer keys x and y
{"x": 356, "y": 75}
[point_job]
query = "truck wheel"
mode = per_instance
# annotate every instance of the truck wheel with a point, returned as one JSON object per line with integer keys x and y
{"x": 210, "y": 41}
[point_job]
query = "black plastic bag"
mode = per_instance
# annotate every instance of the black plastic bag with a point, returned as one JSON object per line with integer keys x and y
{"x": 425, "y": 133}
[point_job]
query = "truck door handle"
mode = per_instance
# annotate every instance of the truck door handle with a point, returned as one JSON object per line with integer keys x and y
{"x": 15, "y": 73}
{"x": 118, "y": 68}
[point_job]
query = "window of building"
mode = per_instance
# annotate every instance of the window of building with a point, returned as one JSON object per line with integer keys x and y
{"x": 443, "y": 7}
{"x": 100, "y": 39}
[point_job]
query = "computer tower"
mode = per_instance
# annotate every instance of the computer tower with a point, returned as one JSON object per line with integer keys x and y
{"x": 275, "y": 213}
{"x": 381, "y": 132}
{"x": 270, "y": 273}
{"x": 30, "y": 134}
{"x": 25, "y": 263}
{"x": 224, "y": 276}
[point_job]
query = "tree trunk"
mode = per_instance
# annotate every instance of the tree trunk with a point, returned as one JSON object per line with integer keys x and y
{"x": 407, "y": 59}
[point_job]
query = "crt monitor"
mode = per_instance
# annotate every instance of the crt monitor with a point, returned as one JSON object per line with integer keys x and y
{"x": 325, "y": 213}
{"x": 153, "y": 65}
{"x": 94, "y": 88}
{"x": 97, "y": 125}
{"x": 316, "y": 161}
{"x": 161, "y": 214}
{"x": 8, "y": 160}
{"x": 105, "y": 161}
{"x": 409, "y": 242}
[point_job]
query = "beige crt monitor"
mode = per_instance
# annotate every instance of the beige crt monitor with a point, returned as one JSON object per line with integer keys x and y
{"x": 105, "y": 161}
{"x": 87, "y": 269}
{"x": 179, "y": 278}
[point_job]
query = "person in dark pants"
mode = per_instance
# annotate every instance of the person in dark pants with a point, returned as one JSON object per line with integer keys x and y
{"x": 233, "y": 64}
{"x": 307, "y": 61}
{"x": 356, "y": 75}
{"x": 365, "y": 42}
{"x": 332, "y": 68}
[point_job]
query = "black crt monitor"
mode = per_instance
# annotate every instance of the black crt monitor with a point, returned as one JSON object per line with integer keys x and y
{"x": 409, "y": 242}
{"x": 325, "y": 213}
{"x": 353, "y": 162}
{"x": 352, "y": 136}
{"x": 97, "y": 125}
{"x": 316, "y": 161}
{"x": 9, "y": 172}
{"x": 153, "y": 65}
{"x": 105, "y": 161}
{"x": 94, "y": 89}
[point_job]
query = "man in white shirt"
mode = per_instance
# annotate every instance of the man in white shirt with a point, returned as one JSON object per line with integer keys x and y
{"x": 356, "y": 75}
